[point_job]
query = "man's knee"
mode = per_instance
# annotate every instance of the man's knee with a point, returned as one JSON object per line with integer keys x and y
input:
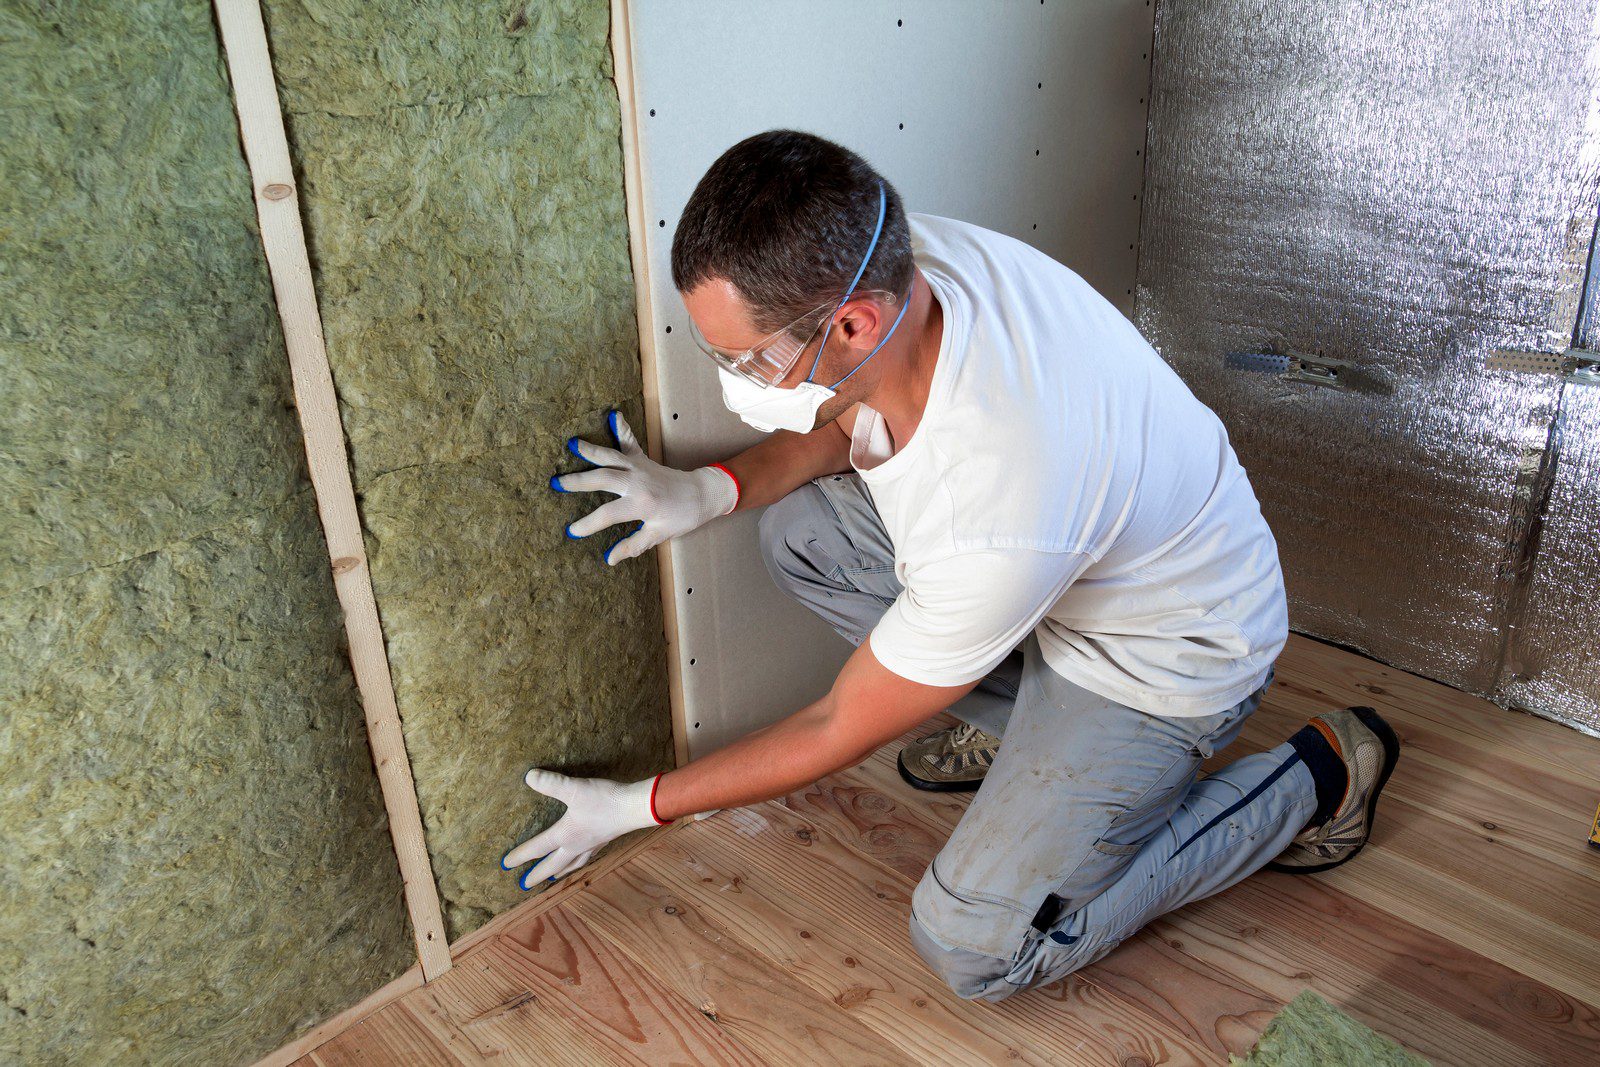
{"x": 970, "y": 975}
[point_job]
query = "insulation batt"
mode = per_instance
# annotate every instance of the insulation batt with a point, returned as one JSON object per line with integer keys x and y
{"x": 1310, "y": 1032}
{"x": 1409, "y": 188}
{"x": 194, "y": 861}
{"x": 462, "y": 178}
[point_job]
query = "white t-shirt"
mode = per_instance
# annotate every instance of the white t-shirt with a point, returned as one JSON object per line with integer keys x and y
{"x": 1064, "y": 481}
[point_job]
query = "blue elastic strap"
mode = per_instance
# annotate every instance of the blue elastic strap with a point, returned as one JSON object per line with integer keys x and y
{"x": 877, "y": 231}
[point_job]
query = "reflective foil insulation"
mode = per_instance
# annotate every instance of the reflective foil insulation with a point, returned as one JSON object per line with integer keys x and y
{"x": 1395, "y": 192}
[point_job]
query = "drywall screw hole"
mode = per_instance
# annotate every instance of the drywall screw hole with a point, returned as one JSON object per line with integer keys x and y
{"x": 652, "y": 112}
{"x": 902, "y": 125}
{"x": 689, "y": 591}
{"x": 674, "y": 416}
{"x": 691, "y": 661}
{"x": 669, "y": 329}
{"x": 697, "y": 726}
{"x": 1035, "y": 151}
{"x": 1036, "y": 225}
{"x": 663, "y": 222}
{"x": 1041, "y": 85}
{"x": 899, "y": 22}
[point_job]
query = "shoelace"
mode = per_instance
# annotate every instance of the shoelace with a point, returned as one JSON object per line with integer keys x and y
{"x": 965, "y": 734}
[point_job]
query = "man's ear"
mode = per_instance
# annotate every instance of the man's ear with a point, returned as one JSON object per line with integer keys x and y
{"x": 860, "y": 323}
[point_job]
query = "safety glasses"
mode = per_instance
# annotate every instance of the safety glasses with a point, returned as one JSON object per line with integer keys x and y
{"x": 770, "y": 360}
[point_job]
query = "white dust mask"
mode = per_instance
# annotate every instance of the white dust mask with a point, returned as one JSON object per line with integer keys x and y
{"x": 769, "y": 408}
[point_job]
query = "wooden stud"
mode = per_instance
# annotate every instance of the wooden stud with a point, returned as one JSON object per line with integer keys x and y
{"x": 633, "y": 189}
{"x": 266, "y": 147}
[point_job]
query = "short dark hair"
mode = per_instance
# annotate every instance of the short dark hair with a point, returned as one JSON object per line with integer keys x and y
{"x": 786, "y": 217}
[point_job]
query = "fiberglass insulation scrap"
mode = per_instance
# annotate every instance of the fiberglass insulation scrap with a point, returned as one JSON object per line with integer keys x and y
{"x": 461, "y": 172}
{"x": 1310, "y": 1032}
{"x": 194, "y": 863}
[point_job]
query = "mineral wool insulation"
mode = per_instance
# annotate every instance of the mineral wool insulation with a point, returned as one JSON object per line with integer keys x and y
{"x": 194, "y": 862}
{"x": 461, "y": 168}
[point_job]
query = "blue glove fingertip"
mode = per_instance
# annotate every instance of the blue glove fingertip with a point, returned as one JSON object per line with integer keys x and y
{"x": 572, "y": 446}
{"x": 555, "y": 483}
{"x": 611, "y": 421}
{"x": 504, "y": 866}
{"x": 570, "y": 535}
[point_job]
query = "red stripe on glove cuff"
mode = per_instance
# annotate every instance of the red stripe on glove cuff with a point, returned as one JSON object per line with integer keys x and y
{"x": 737, "y": 489}
{"x": 653, "y": 787}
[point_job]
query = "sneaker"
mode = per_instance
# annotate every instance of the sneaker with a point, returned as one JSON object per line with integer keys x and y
{"x": 1369, "y": 748}
{"x": 949, "y": 761}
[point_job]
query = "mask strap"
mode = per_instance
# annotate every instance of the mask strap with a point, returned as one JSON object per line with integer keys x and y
{"x": 883, "y": 205}
{"x": 903, "y": 308}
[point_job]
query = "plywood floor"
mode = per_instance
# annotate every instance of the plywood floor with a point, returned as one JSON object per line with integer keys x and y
{"x": 1469, "y": 930}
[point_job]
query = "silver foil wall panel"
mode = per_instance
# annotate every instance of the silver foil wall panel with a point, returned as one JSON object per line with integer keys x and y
{"x": 1403, "y": 189}
{"x": 1553, "y": 667}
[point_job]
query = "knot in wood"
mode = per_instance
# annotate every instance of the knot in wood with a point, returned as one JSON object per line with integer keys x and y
{"x": 346, "y": 563}
{"x": 277, "y": 191}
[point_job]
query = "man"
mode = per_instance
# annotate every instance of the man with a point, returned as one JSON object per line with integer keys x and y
{"x": 984, "y": 478}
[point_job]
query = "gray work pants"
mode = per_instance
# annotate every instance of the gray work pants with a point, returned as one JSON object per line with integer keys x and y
{"x": 1092, "y": 821}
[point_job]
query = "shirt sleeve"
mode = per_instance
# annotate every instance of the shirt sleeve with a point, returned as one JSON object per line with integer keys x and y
{"x": 960, "y": 615}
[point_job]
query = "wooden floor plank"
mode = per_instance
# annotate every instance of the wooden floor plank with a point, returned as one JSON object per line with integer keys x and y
{"x": 769, "y": 1012}
{"x": 483, "y": 1012}
{"x": 618, "y": 1007}
{"x": 898, "y": 827}
{"x": 1469, "y": 929}
{"x": 812, "y": 877}
{"x": 387, "y": 1037}
{"x": 881, "y": 988}
{"x": 1421, "y": 989}
{"x": 1313, "y": 677}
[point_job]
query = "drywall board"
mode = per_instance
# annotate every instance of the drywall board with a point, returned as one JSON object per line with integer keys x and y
{"x": 1403, "y": 187}
{"x": 461, "y": 171}
{"x": 1552, "y": 668}
{"x": 1025, "y": 117}
{"x": 194, "y": 862}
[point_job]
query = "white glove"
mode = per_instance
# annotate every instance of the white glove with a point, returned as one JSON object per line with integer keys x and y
{"x": 666, "y": 502}
{"x": 598, "y": 810}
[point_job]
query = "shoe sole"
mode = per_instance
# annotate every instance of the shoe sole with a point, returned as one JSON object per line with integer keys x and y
{"x": 930, "y": 786}
{"x": 1391, "y": 755}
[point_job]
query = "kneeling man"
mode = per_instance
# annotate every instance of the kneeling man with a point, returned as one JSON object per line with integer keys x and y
{"x": 983, "y": 477}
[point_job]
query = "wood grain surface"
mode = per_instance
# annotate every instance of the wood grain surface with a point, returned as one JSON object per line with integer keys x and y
{"x": 1469, "y": 930}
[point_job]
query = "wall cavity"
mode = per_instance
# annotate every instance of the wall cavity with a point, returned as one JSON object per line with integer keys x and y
{"x": 462, "y": 176}
{"x": 194, "y": 861}
{"x": 1406, "y": 189}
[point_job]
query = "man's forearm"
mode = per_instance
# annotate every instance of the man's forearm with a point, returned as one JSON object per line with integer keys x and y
{"x": 867, "y": 707}
{"x": 772, "y": 762}
{"x": 783, "y": 462}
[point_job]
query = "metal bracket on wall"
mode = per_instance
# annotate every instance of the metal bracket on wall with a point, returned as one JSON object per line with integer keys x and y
{"x": 1581, "y": 366}
{"x": 1312, "y": 370}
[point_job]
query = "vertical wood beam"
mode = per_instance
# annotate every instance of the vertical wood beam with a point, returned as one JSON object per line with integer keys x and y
{"x": 266, "y": 147}
{"x": 633, "y": 190}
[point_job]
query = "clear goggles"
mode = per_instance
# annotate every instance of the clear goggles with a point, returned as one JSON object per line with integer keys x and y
{"x": 771, "y": 359}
